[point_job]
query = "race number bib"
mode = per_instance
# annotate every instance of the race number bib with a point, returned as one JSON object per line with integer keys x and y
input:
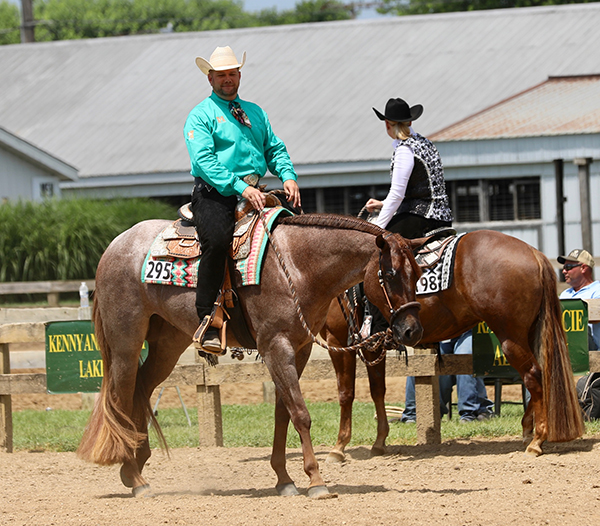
{"x": 158, "y": 271}
{"x": 430, "y": 281}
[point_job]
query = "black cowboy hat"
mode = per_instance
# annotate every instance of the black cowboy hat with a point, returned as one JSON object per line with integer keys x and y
{"x": 397, "y": 110}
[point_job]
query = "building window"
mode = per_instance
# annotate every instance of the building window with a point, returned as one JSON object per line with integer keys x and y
{"x": 46, "y": 190}
{"x": 485, "y": 200}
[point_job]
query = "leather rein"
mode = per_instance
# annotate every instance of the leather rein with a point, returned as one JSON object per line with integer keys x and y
{"x": 382, "y": 339}
{"x": 410, "y": 305}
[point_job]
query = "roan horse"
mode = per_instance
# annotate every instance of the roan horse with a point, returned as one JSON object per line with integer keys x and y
{"x": 324, "y": 255}
{"x": 512, "y": 287}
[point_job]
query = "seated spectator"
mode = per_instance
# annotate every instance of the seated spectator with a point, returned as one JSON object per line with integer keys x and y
{"x": 578, "y": 270}
{"x": 473, "y": 403}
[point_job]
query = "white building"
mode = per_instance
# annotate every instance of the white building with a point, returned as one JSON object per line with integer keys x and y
{"x": 114, "y": 108}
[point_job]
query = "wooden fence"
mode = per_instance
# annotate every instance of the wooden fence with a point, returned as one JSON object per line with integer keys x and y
{"x": 424, "y": 366}
{"x": 52, "y": 289}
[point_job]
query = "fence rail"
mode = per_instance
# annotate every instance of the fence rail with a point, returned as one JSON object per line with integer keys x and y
{"x": 424, "y": 366}
{"x": 52, "y": 289}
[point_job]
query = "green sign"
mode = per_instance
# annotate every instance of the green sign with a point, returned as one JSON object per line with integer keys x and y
{"x": 73, "y": 360}
{"x": 489, "y": 360}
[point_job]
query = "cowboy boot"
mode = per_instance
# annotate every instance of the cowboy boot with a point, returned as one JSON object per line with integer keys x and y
{"x": 207, "y": 338}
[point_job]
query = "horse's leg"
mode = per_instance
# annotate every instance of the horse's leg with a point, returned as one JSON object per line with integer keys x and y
{"x": 344, "y": 364}
{"x": 522, "y": 359}
{"x": 285, "y": 368}
{"x": 165, "y": 345}
{"x": 377, "y": 386}
{"x": 527, "y": 424}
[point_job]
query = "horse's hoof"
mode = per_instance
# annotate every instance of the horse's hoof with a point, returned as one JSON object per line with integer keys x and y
{"x": 335, "y": 457}
{"x": 287, "y": 490}
{"x": 320, "y": 492}
{"x": 533, "y": 451}
{"x": 127, "y": 482}
{"x": 377, "y": 451}
{"x": 142, "y": 491}
{"x": 527, "y": 439}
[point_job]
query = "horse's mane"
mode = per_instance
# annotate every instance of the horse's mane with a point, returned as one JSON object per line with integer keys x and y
{"x": 333, "y": 221}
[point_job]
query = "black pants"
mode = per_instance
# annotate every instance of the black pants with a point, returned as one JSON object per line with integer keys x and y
{"x": 214, "y": 217}
{"x": 412, "y": 226}
{"x": 409, "y": 226}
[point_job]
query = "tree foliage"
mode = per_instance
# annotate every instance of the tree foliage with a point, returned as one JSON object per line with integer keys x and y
{"x": 419, "y": 7}
{"x": 75, "y": 19}
{"x": 9, "y": 23}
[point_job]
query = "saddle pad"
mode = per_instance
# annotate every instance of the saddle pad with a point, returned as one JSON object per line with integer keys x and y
{"x": 162, "y": 270}
{"x": 250, "y": 266}
{"x": 439, "y": 277}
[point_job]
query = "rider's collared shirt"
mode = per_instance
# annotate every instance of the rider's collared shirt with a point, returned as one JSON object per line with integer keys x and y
{"x": 223, "y": 151}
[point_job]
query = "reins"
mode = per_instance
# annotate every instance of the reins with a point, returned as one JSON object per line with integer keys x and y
{"x": 382, "y": 339}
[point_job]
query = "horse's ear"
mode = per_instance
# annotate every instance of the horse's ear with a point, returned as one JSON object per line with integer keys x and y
{"x": 380, "y": 241}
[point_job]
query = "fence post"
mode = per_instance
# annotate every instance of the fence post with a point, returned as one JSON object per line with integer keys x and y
{"x": 427, "y": 398}
{"x": 269, "y": 393}
{"x": 210, "y": 415}
{"x": 6, "y": 425}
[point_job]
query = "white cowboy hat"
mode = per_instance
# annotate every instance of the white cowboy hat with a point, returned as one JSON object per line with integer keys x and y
{"x": 222, "y": 58}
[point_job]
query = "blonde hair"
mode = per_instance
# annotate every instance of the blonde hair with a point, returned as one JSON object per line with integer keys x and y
{"x": 401, "y": 130}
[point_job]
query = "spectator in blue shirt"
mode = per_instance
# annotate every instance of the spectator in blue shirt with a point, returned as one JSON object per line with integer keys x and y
{"x": 578, "y": 270}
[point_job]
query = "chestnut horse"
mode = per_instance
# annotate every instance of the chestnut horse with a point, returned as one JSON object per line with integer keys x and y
{"x": 512, "y": 287}
{"x": 323, "y": 256}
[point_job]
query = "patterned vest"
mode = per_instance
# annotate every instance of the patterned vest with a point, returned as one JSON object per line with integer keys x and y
{"x": 426, "y": 191}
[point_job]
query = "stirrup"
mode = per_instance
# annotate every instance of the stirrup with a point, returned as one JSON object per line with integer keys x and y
{"x": 216, "y": 320}
{"x": 200, "y": 335}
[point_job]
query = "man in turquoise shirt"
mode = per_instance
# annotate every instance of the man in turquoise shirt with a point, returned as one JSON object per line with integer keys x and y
{"x": 231, "y": 146}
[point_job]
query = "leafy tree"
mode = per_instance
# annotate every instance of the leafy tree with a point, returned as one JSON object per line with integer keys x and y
{"x": 74, "y": 19}
{"x": 417, "y": 7}
{"x": 308, "y": 11}
{"x": 10, "y": 20}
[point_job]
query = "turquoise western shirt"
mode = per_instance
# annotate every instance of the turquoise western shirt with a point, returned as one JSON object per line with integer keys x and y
{"x": 223, "y": 151}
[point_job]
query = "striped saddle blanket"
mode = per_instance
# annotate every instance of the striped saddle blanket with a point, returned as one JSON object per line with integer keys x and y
{"x": 175, "y": 253}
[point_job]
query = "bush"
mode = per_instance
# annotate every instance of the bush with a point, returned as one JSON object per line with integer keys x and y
{"x": 64, "y": 239}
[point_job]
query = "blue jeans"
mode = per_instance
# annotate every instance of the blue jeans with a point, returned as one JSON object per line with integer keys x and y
{"x": 471, "y": 391}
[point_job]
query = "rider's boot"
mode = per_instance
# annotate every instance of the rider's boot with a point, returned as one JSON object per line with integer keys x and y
{"x": 207, "y": 338}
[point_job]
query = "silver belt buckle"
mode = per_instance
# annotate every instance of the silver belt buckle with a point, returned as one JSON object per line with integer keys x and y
{"x": 251, "y": 179}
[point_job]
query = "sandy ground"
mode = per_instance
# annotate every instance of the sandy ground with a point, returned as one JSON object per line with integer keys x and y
{"x": 477, "y": 482}
{"x": 459, "y": 483}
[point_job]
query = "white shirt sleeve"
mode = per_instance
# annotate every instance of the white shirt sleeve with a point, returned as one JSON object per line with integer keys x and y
{"x": 403, "y": 163}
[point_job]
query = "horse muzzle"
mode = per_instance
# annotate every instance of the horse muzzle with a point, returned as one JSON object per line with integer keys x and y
{"x": 406, "y": 325}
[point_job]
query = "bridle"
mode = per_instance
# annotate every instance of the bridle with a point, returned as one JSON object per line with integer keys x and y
{"x": 394, "y": 313}
{"x": 382, "y": 339}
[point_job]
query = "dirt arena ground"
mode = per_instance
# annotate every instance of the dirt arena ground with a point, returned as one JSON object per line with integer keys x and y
{"x": 459, "y": 483}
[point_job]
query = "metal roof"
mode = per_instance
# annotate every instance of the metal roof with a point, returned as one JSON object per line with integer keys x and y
{"x": 26, "y": 150}
{"x": 116, "y": 106}
{"x": 559, "y": 106}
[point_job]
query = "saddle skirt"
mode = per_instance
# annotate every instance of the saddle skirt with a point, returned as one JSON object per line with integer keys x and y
{"x": 431, "y": 252}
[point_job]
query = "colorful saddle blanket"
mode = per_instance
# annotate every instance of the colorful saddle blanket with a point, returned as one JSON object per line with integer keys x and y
{"x": 437, "y": 263}
{"x": 175, "y": 253}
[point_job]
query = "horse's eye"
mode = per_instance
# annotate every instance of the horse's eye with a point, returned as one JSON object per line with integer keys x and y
{"x": 390, "y": 274}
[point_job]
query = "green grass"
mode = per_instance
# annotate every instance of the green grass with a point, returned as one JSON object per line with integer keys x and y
{"x": 252, "y": 426}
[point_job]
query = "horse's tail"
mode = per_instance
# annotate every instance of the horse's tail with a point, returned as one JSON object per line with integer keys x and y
{"x": 111, "y": 436}
{"x": 565, "y": 421}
